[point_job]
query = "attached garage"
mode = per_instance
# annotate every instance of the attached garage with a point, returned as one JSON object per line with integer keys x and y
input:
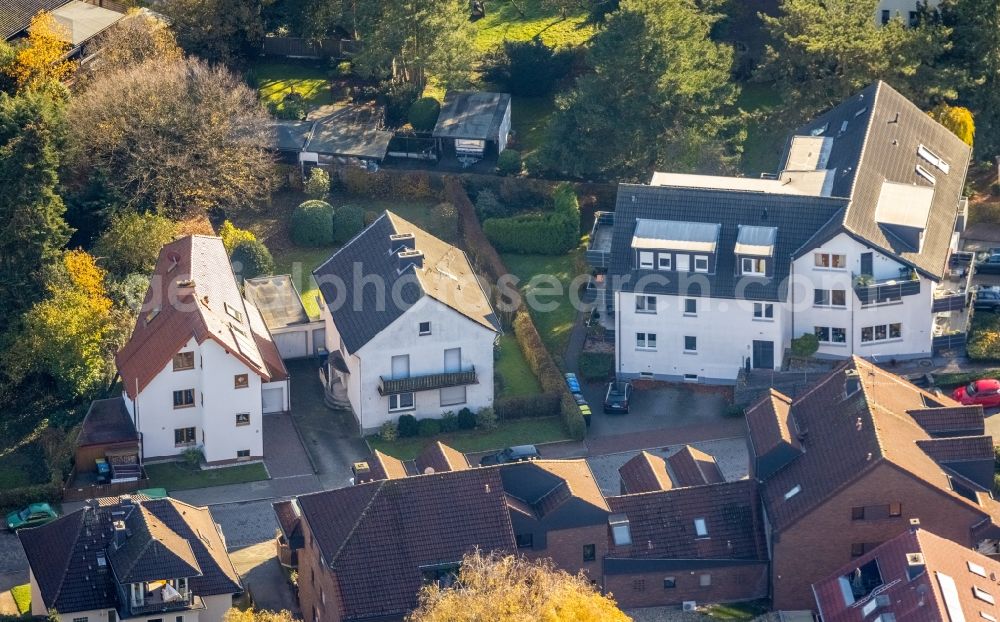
{"x": 274, "y": 398}
{"x": 292, "y": 345}
{"x": 279, "y": 303}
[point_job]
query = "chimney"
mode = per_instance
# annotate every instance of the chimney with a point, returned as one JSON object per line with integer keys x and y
{"x": 915, "y": 565}
{"x": 410, "y": 258}
{"x": 401, "y": 241}
{"x": 120, "y": 535}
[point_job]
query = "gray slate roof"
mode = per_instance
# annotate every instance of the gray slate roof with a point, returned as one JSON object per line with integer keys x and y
{"x": 880, "y": 142}
{"x": 797, "y": 218}
{"x": 350, "y": 130}
{"x": 446, "y": 276}
{"x": 15, "y": 15}
{"x": 289, "y": 135}
{"x": 277, "y": 300}
{"x": 471, "y": 114}
{"x": 107, "y": 421}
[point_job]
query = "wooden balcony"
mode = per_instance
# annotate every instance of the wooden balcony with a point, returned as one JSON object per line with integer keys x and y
{"x": 426, "y": 382}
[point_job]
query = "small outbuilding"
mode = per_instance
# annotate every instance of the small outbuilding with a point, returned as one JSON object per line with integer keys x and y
{"x": 288, "y": 139}
{"x": 293, "y": 332}
{"x": 341, "y": 134}
{"x": 108, "y": 443}
{"x": 473, "y": 125}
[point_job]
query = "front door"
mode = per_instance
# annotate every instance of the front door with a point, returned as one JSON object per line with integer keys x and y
{"x": 867, "y": 265}
{"x": 763, "y": 354}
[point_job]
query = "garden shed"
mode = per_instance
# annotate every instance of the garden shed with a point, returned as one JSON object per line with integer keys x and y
{"x": 288, "y": 138}
{"x": 473, "y": 125}
{"x": 108, "y": 436}
{"x": 347, "y": 132}
{"x": 293, "y": 332}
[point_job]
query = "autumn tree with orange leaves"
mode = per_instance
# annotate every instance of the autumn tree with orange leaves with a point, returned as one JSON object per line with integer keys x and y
{"x": 42, "y": 59}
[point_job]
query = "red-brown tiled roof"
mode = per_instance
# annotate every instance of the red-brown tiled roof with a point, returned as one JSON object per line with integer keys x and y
{"x": 169, "y": 319}
{"x": 770, "y": 422}
{"x": 916, "y": 598}
{"x": 645, "y": 473}
{"x": 692, "y": 467}
{"x": 382, "y": 466}
{"x": 440, "y": 458}
{"x": 950, "y": 419}
{"x": 958, "y": 448}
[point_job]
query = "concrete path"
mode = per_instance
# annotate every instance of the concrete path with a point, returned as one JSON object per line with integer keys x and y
{"x": 264, "y": 578}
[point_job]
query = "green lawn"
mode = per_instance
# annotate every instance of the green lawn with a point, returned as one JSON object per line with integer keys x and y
{"x": 299, "y": 263}
{"x": 518, "y": 432}
{"x": 530, "y": 119}
{"x": 504, "y": 21}
{"x": 762, "y": 148}
{"x": 513, "y": 370}
{"x": 554, "y": 325}
{"x": 179, "y": 476}
{"x": 276, "y": 80}
{"x": 22, "y": 597}
{"x": 737, "y": 612}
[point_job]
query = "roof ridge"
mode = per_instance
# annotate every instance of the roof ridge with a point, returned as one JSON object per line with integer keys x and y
{"x": 64, "y": 572}
{"x": 864, "y": 148}
{"x": 357, "y": 521}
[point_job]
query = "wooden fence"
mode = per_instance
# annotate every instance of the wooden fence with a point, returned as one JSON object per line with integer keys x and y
{"x": 298, "y": 47}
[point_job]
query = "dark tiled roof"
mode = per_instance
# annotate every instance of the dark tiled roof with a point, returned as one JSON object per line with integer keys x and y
{"x": 152, "y": 551}
{"x": 15, "y": 15}
{"x": 693, "y": 467}
{"x": 440, "y": 458}
{"x": 919, "y": 597}
{"x": 375, "y": 537}
{"x": 958, "y": 449}
{"x": 883, "y": 132}
{"x": 796, "y": 217}
{"x": 847, "y": 436}
{"x": 471, "y": 114}
{"x": 107, "y": 421}
{"x": 446, "y": 276}
{"x": 564, "y": 492}
{"x": 382, "y": 466}
{"x": 645, "y": 473}
{"x": 947, "y": 420}
{"x": 662, "y": 523}
{"x": 772, "y": 433}
{"x": 63, "y": 554}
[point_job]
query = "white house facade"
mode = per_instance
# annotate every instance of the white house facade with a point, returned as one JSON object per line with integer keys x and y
{"x": 425, "y": 347}
{"x": 906, "y": 10}
{"x": 200, "y": 370}
{"x": 850, "y": 242}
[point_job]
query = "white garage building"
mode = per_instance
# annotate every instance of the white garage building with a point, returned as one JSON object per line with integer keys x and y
{"x": 278, "y": 300}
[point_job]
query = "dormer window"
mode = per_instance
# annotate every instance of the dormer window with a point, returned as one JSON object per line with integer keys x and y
{"x": 646, "y": 260}
{"x": 656, "y": 241}
{"x": 664, "y": 261}
{"x": 233, "y": 312}
{"x": 753, "y": 265}
{"x": 701, "y": 263}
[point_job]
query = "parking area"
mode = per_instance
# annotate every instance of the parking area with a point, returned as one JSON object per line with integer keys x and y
{"x": 663, "y": 407}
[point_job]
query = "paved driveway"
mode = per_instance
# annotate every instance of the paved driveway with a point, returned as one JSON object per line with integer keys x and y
{"x": 656, "y": 409}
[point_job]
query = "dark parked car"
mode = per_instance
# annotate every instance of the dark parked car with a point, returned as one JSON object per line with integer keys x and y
{"x": 518, "y": 453}
{"x": 990, "y": 265}
{"x": 988, "y": 298}
{"x": 616, "y": 399}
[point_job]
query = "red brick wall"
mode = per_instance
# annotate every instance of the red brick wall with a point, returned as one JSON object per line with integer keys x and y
{"x": 316, "y": 581}
{"x": 732, "y": 583}
{"x": 565, "y": 548}
{"x": 820, "y": 543}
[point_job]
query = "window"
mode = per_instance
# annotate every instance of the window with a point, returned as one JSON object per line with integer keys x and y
{"x": 690, "y": 377}
{"x": 701, "y": 263}
{"x": 690, "y": 343}
{"x": 243, "y": 453}
{"x": 895, "y": 331}
{"x": 525, "y": 540}
{"x": 184, "y": 436}
{"x": 242, "y": 418}
{"x": 983, "y": 595}
{"x": 663, "y": 260}
{"x": 83, "y": 619}
{"x": 184, "y": 398}
{"x": 241, "y": 381}
{"x": 424, "y": 328}
{"x": 452, "y": 395}
{"x": 646, "y": 259}
{"x": 858, "y": 513}
{"x": 589, "y": 552}
{"x": 794, "y": 491}
{"x": 881, "y": 332}
{"x": 987, "y": 617}
{"x": 620, "y": 532}
{"x": 705, "y": 580}
{"x": 822, "y": 333}
{"x": 839, "y": 335}
{"x": 401, "y": 401}
{"x": 976, "y": 569}
{"x": 751, "y": 265}
{"x": 183, "y": 360}
{"x": 827, "y": 334}
{"x": 914, "y": 18}
{"x": 669, "y": 583}
{"x": 830, "y": 260}
{"x": 821, "y": 297}
{"x": 645, "y": 341}
{"x": 179, "y": 619}
{"x": 830, "y": 297}
{"x": 895, "y": 509}
{"x": 690, "y": 306}
{"x": 838, "y": 297}
{"x": 645, "y": 304}
{"x": 763, "y": 310}
{"x": 683, "y": 263}
{"x": 885, "y": 16}
{"x": 700, "y": 528}
{"x": 232, "y": 312}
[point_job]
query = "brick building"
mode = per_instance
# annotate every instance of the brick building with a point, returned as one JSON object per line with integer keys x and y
{"x": 848, "y": 464}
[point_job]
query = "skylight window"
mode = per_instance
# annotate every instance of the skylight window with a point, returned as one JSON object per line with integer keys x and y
{"x": 819, "y": 131}
{"x": 926, "y": 174}
{"x": 952, "y": 602}
{"x": 620, "y": 532}
{"x": 976, "y": 569}
{"x": 983, "y": 595}
{"x": 233, "y": 312}
{"x": 152, "y": 314}
{"x": 986, "y": 616}
{"x": 935, "y": 160}
{"x": 700, "y": 527}
{"x": 861, "y": 111}
{"x": 794, "y": 491}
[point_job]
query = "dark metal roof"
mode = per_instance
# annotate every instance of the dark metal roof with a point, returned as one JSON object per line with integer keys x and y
{"x": 351, "y": 130}
{"x": 107, "y": 421}
{"x": 796, "y": 217}
{"x": 289, "y": 135}
{"x": 15, "y": 15}
{"x": 471, "y": 114}
{"x": 277, "y": 300}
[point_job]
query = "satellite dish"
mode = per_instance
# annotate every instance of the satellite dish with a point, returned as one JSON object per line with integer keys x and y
{"x": 428, "y": 470}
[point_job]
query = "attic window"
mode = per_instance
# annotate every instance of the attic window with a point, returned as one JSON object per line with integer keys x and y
{"x": 983, "y": 595}
{"x": 819, "y": 131}
{"x": 861, "y": 111}
{"x": 152, "y": 314}
{"x": 102, "y": 560}
{"x": 852, "y": 383}
{"x": 925, "y": 174}
{"x": 232, "y": 312}
{"x": 986, "y": 616}
{"x": 935, "y": 160}
{"x": 700, "y": 527}
{"x": 976, "y": 569}
{"x": 794, "y": 491}
{"x": 620, "y": 531}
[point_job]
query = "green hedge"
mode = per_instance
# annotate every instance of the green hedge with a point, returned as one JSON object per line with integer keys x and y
{"x": 527, "y": 406}
{"x": 17, "y": 498}
{"x": 539, "y": 233}
{"x": 312, "y": 224}
{"x": 596, "y": 366}
{"x": 348, "y": 221}
{"x": 424, "y": 114}
{"x": 983, "y": 343}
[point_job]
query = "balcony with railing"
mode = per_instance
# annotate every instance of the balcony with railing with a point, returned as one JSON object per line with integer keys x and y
{"x": 598, "y": 254}
{"x": 427, "y": 382}
{"x": 871, "y": 292}
{"x": 155, "y": 603}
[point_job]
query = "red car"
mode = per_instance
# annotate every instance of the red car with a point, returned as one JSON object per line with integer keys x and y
{"x": 985, "y": 392}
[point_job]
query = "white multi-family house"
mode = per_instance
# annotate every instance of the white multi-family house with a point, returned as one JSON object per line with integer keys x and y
{"x": 907, "y": 10}
{"x": 409, "y": 328}
{"x": 850, "y": 242}
{"x": 200, "y": 368}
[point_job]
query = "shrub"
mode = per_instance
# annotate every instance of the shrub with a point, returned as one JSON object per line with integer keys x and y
{"x": 348, "y": 221}
{"x": 509, "y": 162}
{"x": 448, "y": 421}
{"x": 595, "y": 366}
{"x": 486, "y": 419}
{"x": 388, "y": 432}
{"x": 410, "y": 185}
{"x": 733, "y": 411}
{"x": 466, "y": 419}
{"x": 193, "y": 456}
{"x": 544, "y": 233}
{"x": 408, "y": 426}
{"x": 527, "y": 406}
{"x": 527, "y": 68}
{"x": 428, "y": 427}
{"x": 232, "y": 235}
{"x": 399, "y": 97}
{"x": 359, "y": 181}
{"x": 342, "y": 69}
{"x": 251, "y": 259}
{"x": 132, "y": 242}
{"x": 489, "y": 206}
{"x": 984, "y": 338}
{"x": 806, "y": 345}
{"x": 370, "y": 217}
{"x": 317, "y": 184}
{"x": 312, "y": 223}
{"x": 424, "y": 113}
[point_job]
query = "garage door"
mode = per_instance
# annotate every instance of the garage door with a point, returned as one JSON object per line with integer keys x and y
{"x": 291, "y": 345}
{"x": 273, "y": 400}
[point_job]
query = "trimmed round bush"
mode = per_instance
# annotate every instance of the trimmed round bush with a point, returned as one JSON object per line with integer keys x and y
{"x": 509, "y": 162}
{"x": 348, "y": 221}
{"x": 250, "y": 259}
{"x": 312, "y": 224}
{"x": 806, "y": 345}
{"x": 448, "y": 421}
{"x": 424, "y": 114}
{"x": 428, "y": 427}
{"x": 408, "y": 426}
{"x": 466, "y": 419}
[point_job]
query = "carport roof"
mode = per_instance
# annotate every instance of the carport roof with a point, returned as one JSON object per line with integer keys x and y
{"x": 277, "y": 300}
{"x": 351, "y": 131}
{"x": 472, "y": 114}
